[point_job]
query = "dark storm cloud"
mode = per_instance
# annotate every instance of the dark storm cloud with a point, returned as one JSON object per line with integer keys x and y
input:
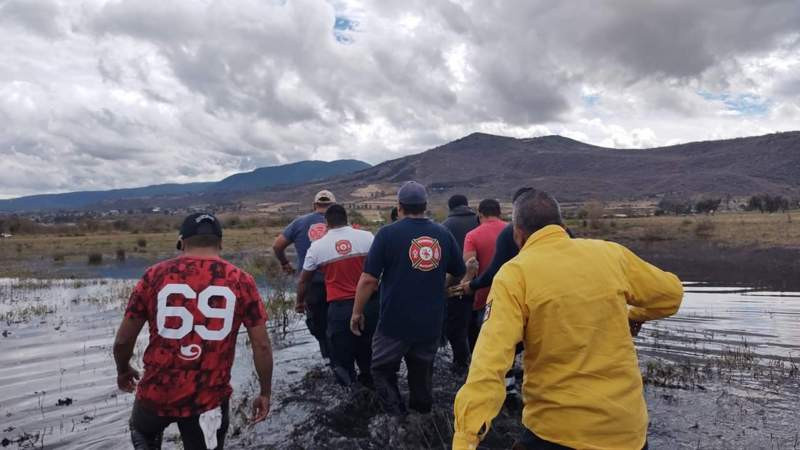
{"x": 38, "y": 16}
{"x": 130, "y": 92}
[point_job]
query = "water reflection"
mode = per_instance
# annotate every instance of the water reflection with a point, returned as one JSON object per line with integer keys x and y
{"x": 713, "y": 318}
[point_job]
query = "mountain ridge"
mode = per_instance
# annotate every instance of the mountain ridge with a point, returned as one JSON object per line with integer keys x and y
{"x": 255, "y": 180}
{"x": 484, "y": 165}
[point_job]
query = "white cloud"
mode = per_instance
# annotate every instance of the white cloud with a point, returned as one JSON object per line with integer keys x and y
{"x": 102, "y": 94}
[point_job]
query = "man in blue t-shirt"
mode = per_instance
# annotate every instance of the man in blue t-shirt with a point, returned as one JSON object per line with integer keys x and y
{"x": 412, "y": 258}
{"x": 302, "y": 232}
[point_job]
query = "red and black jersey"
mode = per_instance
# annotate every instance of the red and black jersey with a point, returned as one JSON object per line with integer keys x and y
{"x": 194, "y": 307}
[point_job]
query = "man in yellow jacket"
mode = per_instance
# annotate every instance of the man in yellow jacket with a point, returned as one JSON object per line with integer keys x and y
{"x": 569, "y": 301}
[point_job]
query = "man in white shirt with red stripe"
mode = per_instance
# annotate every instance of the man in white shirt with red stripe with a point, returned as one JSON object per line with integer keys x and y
{"x": 340, "y": 255}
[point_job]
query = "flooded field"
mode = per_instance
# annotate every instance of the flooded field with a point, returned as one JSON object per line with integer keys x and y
{"x": 57, "y": 377}
{"x": 723, "y": 373}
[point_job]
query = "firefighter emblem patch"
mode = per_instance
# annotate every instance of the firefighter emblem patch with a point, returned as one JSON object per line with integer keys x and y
{"x": 316, "y": 231}
{"x": 425, "y": 253}
{"x": 344, "y": 247}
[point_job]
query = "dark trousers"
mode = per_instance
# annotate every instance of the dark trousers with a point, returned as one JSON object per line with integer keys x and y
{"x": 475, "y": 323}
{"x": 147, "y": 429}
{"x": 530, "y": 441}
{"x": 347, "y": 348}
{"x": 459, "y": 314}
{"x": 317, "y": 316}
{"x": 387, "y": 352}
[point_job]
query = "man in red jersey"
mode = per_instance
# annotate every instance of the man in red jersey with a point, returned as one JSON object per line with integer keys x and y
{"x": 194, "y": 305}
{"x": 479, "y": 244}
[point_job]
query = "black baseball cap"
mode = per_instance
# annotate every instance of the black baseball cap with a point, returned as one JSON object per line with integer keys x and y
{"x": 199, "y": 224}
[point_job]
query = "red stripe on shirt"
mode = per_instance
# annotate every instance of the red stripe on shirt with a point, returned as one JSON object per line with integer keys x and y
{"x": 341, "y": 276}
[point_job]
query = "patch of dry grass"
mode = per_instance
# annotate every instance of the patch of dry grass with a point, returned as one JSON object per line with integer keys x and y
{"x": 730, "y": 229}
{"x": 64, "y": 249}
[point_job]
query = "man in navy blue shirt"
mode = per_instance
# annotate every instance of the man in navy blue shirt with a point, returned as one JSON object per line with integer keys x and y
{"x": 412, "y": 258}
{"x": 302, "y": 232}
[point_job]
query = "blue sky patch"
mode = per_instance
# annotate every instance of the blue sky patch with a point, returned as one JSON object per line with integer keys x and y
{"x": 590, "y": 100}
{"x": 745, "y": 104}
{"x": 342, "y": 29}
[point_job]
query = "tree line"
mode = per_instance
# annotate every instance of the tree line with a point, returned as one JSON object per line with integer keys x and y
{"x": 765, "y": 203}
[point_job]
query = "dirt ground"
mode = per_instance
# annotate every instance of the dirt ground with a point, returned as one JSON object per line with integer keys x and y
{"x": 732, "y": 400}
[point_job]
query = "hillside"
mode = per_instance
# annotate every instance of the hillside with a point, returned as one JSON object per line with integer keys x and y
{"x": 487, "y": 165}
{"x": 224, "y": 190}
{"x": 482, "y": 165}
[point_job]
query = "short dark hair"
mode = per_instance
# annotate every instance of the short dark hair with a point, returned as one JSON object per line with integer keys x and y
{"x": 202, "y": 241}
{"x": 489, "y": 207}
{"x": 394, "y": 214}
{"x": 521, "y": 191}
{"x": 336, "y": 216}
{"x": 534, "y": 210}
{"x": 414, "y": 209}
{"x": 456, "y": 201}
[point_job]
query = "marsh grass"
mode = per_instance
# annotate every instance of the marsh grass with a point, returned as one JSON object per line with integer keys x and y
{"x": 23, "y": 300}
{"x": 280, "y": 303}
{"x": 26, "y": 313}
{"x": 704, "y": 229}
{"x": 279, "y": 299}
{"x": 655, "y": 234}
{"x": 23, "y": 256}
{"x": 739, "y": 229}
{"x": 94, "y": 258}
{"x": 738, "y": 362}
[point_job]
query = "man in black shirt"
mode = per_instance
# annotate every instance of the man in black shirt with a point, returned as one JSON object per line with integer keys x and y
{"x": 461, "y": 220}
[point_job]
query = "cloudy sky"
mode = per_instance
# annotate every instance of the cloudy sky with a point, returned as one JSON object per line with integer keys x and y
{"x": 97, "y": 94}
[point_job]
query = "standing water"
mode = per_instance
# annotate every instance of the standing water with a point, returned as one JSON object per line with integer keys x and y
{"x": 58, "y": 382}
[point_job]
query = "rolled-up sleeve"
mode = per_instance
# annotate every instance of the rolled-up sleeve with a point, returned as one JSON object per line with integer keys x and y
{"x": 479, "y": 401}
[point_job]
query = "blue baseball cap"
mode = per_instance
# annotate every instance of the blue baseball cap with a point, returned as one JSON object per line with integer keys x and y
{"x": 412, "y": 193}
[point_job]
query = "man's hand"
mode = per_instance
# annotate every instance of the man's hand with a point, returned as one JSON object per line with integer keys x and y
{"x": 357, "y": 323}
{"x": 287, "y": 268}
{"x": 260, "y": 408}
{"x": 127, "y": 380}
{"x": 123, "y": 352}
{"x": 459, "y": 289}
{"x": 300, "y": 307}
{"x": 455, "y": 290}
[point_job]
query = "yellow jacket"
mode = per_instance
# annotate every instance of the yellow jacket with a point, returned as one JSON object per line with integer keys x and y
{"x": 568, "y": 301}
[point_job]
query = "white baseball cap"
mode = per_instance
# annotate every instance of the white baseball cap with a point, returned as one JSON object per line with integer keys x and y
{"x": 324, "y": 196}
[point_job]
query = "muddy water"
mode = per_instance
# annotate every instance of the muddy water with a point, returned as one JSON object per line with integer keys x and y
{"x": 57, "y": 378}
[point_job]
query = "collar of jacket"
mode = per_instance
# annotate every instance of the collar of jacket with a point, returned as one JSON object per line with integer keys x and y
{"x": 545, "y": 234}
{"x": 461, "y": 211}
